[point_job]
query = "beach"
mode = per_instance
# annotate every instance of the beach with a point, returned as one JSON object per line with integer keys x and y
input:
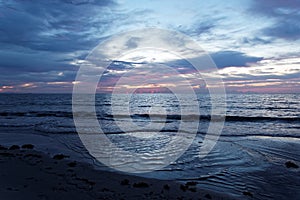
{"x": 30, "y": 174}
{"x": 46, "y": 169}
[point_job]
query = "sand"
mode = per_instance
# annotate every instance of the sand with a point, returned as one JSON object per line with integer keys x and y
{"x": 30, "y": 174}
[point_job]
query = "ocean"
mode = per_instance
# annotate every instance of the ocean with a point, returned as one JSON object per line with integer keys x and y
{"x": 261, "y": 133}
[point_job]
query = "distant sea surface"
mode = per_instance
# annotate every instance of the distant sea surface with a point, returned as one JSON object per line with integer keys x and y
{"x": 261, "y": 133}
{"x": 275, "y": 115}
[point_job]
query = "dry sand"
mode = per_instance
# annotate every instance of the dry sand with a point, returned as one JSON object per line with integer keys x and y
{"x": 29, "y": 174}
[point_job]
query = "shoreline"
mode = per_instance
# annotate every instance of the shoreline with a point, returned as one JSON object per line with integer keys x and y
{"x": 259, "y": 169}
{"x": 30, "y": 174}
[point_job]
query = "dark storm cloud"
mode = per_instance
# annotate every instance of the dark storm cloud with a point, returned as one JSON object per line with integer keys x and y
{"x": 10, "y": 78}
{"x": 53, "y": 25}
{"x": 40, "y": 39}
{"x": 222, "y": 59}
{"x": 288, "y": 29}
{"x": 286, "y": 15}
{"x": 31, "y": 62}
{"x": 232, "y": 58}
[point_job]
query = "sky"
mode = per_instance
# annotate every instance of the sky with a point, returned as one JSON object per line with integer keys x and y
{"x": 255, "y": 44}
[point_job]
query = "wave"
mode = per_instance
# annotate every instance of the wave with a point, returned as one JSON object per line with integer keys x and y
{"x": 38, "y": 114}
{"x": 146, "y": 116}
{"x": 277, "y": 135}
{"x": 260, "y": 118}
{"x": 72, "y": 130}
{"x": 227, "y": 118}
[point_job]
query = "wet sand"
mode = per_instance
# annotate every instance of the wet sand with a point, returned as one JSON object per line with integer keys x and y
{"x": 30, "y": 174}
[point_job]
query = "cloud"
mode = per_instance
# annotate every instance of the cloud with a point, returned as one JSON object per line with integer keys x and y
{"x": 32, "y": 62}
{"x": 287, "y": 29}
{"x": 54, "y": 26}
{"x": 201, "y": 25}
{"x": 132, "y": 42}
{"x": 233, "y": 58}
{"x": 281, "y": 69}
{"x": 46, "y": 41}
{"x": 255, "y": 41}
{"x": 41, "y": 39}
{"x": 198, "y": 28}
{"x": 93, "y": 2}
{"x": 285, "y": 14}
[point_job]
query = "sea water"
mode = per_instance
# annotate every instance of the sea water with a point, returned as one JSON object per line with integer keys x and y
{"x": 261, "y": 132}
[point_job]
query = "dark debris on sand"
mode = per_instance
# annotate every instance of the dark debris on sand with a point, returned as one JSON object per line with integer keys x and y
{"x": 166, "y": 187}
{"x": 27, "y": 146}
{"x": 125, "y": 182}
{"x": 247, "y": 193}
{"x": 3, "y": 148}
{"x": 141, "y": 185}
{"x": 72, "y": 164}
{"x": 60, "y": 156}
{"x": 14, "y": 147}
{"x": 290, "y": 164}
{"x": 190, "y": 186}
